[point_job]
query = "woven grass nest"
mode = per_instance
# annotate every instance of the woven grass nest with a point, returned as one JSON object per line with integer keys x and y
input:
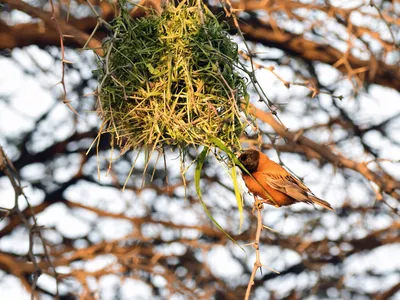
{"x": 171, "y": 80}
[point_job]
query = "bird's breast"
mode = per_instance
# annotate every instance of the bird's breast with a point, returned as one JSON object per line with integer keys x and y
{"x": 258, "y": 186}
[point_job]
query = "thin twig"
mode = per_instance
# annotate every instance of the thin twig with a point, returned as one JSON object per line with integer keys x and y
{"x": 63, "y": 60}
{"x": 7, "y": 167}
{"x": 396, "y": 45}
{"x": 258, "y": 206}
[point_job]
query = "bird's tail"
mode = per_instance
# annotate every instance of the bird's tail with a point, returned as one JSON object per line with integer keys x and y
{"x": 321, "y": 202}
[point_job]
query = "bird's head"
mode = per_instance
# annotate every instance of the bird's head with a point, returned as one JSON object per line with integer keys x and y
{"x": 249, "y": 159}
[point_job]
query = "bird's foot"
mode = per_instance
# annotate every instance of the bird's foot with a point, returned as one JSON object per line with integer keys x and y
{"x": 258, "y": 204}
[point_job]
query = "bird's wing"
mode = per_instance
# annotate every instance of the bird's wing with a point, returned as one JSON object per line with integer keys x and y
{"x": 293, "y": 187}
{"x": 288, "y": 184}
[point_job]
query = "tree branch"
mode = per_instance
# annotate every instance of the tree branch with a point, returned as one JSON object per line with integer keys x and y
{"x": 78, "y": 36}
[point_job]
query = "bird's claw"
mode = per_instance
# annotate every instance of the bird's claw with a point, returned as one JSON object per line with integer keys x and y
{"x": 258, "y": 204}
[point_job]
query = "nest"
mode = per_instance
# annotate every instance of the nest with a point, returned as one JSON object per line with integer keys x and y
{"x": 171, "y": 80}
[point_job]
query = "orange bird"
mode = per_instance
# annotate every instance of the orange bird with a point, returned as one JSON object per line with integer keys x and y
{"x": 269, "y": 177}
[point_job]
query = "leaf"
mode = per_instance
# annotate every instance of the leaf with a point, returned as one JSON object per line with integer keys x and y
{"x": 239, "y": 199}
{"x": 197, "y": 172}
{"x": 220, "y": 144}
{"x": 197, "y": 175}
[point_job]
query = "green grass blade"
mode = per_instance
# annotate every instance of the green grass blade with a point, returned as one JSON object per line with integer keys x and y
{"x": 197, "y": 175}
{"x": 220, "y": 144}
{"x": 197, "y": 172}
{"x": 239, "y": 199}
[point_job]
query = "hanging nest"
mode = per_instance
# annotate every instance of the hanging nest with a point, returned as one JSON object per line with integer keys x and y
{"x": 171, "y": 80}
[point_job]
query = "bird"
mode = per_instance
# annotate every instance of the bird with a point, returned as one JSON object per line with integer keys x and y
{"x": 269, "y": 178}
